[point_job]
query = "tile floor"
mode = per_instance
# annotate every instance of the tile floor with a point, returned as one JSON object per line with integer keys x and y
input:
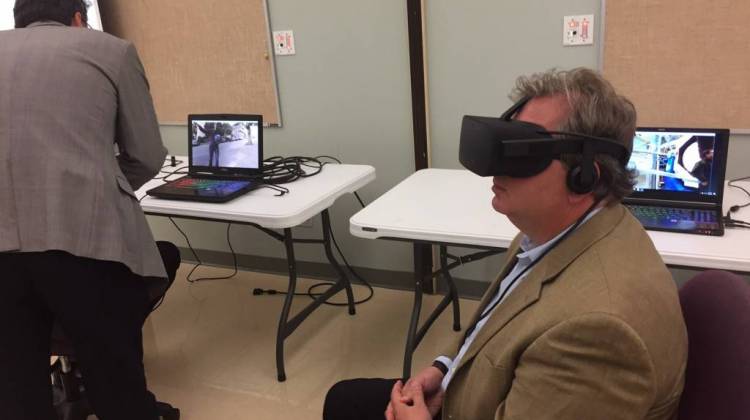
{"x": 209, "y": 349}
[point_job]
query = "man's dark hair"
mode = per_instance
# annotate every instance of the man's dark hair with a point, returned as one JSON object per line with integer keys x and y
{"x": 27, "y": 12}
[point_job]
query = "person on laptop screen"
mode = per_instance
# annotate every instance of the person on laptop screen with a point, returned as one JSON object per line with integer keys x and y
{"x": 583, "y": 321}
{"x": 702, "y": 169}
{"x": 674, "y": 161}
{"x": 236, "y": 141}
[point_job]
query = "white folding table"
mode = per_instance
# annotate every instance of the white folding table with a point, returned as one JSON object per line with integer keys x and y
{"x": 448, "y": 207}
{"x": 265, "y": 210}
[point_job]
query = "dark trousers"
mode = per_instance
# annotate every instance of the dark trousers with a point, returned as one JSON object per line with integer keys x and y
{"x": 213, "y": 151}
{"x": 358, "y": 399}
{"x": 100, "y": 305}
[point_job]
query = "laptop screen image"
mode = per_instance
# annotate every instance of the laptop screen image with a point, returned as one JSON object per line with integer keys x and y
{"x": 225, "y": 144}
{"x": 679, "y": 164}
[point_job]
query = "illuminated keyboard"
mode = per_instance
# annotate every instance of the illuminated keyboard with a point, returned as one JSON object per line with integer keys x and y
{"x": 202, "y": 184}
{"x": 672, "y": 215}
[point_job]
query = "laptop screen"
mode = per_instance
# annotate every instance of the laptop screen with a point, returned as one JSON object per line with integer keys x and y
{"x": 679, "y": 164}
{"x": 225, "y": 144}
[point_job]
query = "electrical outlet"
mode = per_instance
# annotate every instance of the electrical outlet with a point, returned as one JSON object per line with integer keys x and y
{"x": 578, "y": 30}
{"x": 283, "y": 42}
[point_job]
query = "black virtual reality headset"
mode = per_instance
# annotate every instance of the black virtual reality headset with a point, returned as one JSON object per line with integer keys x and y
{"x": 507, "y": 147}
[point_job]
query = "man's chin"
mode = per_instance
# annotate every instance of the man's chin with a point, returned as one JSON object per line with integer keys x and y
{"x": 498, "y": 205}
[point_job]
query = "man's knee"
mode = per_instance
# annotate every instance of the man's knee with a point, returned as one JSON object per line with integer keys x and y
{"x": 339, "y": 401}
{"x": 357, "y": 399}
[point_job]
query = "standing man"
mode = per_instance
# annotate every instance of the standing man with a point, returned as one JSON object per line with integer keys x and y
{"x": 75, "y": 247}
{"x": 213, "y": 149}
{"x": 584, "y": 320}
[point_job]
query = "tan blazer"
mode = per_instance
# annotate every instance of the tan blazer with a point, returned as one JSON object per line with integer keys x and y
{"x": 68, "y": 97}
{"x": 594, "y": 331}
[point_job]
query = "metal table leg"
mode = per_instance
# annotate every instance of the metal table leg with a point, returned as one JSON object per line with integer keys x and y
{"x": 331, "y": 259}
{"x": 286, "y": 325}
{"x": 453, "y": 293}
{"x": 282, "y": 331}
{"x": 411, "y": 336}
{"x": 414, "y": 335}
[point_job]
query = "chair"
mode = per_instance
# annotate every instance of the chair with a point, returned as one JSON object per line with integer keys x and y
{"x": 716, "y": 307}
{"x": 68, "y": 393}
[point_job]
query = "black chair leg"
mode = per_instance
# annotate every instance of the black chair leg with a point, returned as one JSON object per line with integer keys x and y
{"x": 67, "y": 397}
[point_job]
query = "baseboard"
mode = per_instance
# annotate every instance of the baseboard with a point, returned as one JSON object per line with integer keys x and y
{"x": 400, "y": 280}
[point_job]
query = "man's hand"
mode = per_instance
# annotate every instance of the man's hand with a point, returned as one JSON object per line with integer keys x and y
{"x": 413, "y": 408}
{"x": 427, "y": 382}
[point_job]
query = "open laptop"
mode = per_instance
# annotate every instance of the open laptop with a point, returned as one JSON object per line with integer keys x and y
{"x": 680, "y": 184}
{"x": 225, "y": 158}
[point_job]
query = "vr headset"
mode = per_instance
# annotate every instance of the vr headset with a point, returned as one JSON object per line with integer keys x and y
{"x": 507, "y": 147}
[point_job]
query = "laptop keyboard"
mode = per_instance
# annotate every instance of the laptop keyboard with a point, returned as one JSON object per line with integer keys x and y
{"x": 673, "y": 215}
{"x": 201, "y": 184}
{"x": 677, "y": 219}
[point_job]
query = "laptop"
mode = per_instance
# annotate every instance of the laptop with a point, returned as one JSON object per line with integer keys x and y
{"x": 680, "y": 184}
{"x": 225, "y": 158}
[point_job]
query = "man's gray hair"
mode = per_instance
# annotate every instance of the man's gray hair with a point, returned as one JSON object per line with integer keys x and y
{"x": 595, "y": 109}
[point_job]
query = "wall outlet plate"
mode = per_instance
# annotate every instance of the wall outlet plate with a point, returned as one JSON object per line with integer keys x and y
{"x": 283, "y": 42}
{"x": 578, "y": 30}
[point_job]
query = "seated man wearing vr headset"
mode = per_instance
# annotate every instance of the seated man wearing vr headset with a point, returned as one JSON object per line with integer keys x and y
{"x": 584, "y": 320}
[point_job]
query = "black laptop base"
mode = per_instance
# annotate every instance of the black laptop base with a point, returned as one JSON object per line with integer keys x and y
{"x": 205, "y": 190}
{"x": 674, "y": 219}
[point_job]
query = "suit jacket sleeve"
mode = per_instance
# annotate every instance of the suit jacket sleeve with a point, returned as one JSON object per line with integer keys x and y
{"x": 139, "y": 141}
{"x": 594, "y": 366}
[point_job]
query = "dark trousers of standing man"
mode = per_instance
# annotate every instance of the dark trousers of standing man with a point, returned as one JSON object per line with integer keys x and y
{"x": 213, "y": 150}
{"x": 100, "y": 305}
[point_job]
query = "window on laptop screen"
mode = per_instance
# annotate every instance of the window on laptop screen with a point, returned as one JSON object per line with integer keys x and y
{"x": 226, "y": 143}
{"x": 686, "y": 163}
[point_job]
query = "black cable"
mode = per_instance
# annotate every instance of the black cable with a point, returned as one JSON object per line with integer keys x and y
{"x": 362, "y": 203}
{"x": 278, "y": 170}
{"x": 728, "y": 220}
{"x": 177, "y": 168}
{"x": 351, "y": 269}
{"x": 281, "y": 170}
{"x": 313, "y": 295}
{"x": 200, "y": 263}
{"x": 259, "y": 291}
{"x": 731, "y": 184}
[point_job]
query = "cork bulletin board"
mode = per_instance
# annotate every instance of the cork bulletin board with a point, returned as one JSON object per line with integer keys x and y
{"x": 684, "y": 63}
{"x": 201, "y": 56}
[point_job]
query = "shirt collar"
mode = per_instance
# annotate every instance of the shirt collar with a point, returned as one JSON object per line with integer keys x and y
{"x": 44, "y": 23}
{"x": 532, "y": 251}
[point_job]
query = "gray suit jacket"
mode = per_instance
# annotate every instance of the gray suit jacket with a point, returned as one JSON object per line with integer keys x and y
{"x": 69, "y": 98}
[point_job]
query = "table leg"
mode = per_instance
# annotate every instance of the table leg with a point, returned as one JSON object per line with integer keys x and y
{"x": 411, "y": 337}
{"x": 331, "y": 259}
{"x": 453, "y": 293}
{"x": 287, "y": 325}
{"x": 282, "y": 331}
{"x": 415, "y": 334}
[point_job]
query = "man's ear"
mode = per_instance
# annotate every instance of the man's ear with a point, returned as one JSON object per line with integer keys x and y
{"x": 77, "y": 21}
